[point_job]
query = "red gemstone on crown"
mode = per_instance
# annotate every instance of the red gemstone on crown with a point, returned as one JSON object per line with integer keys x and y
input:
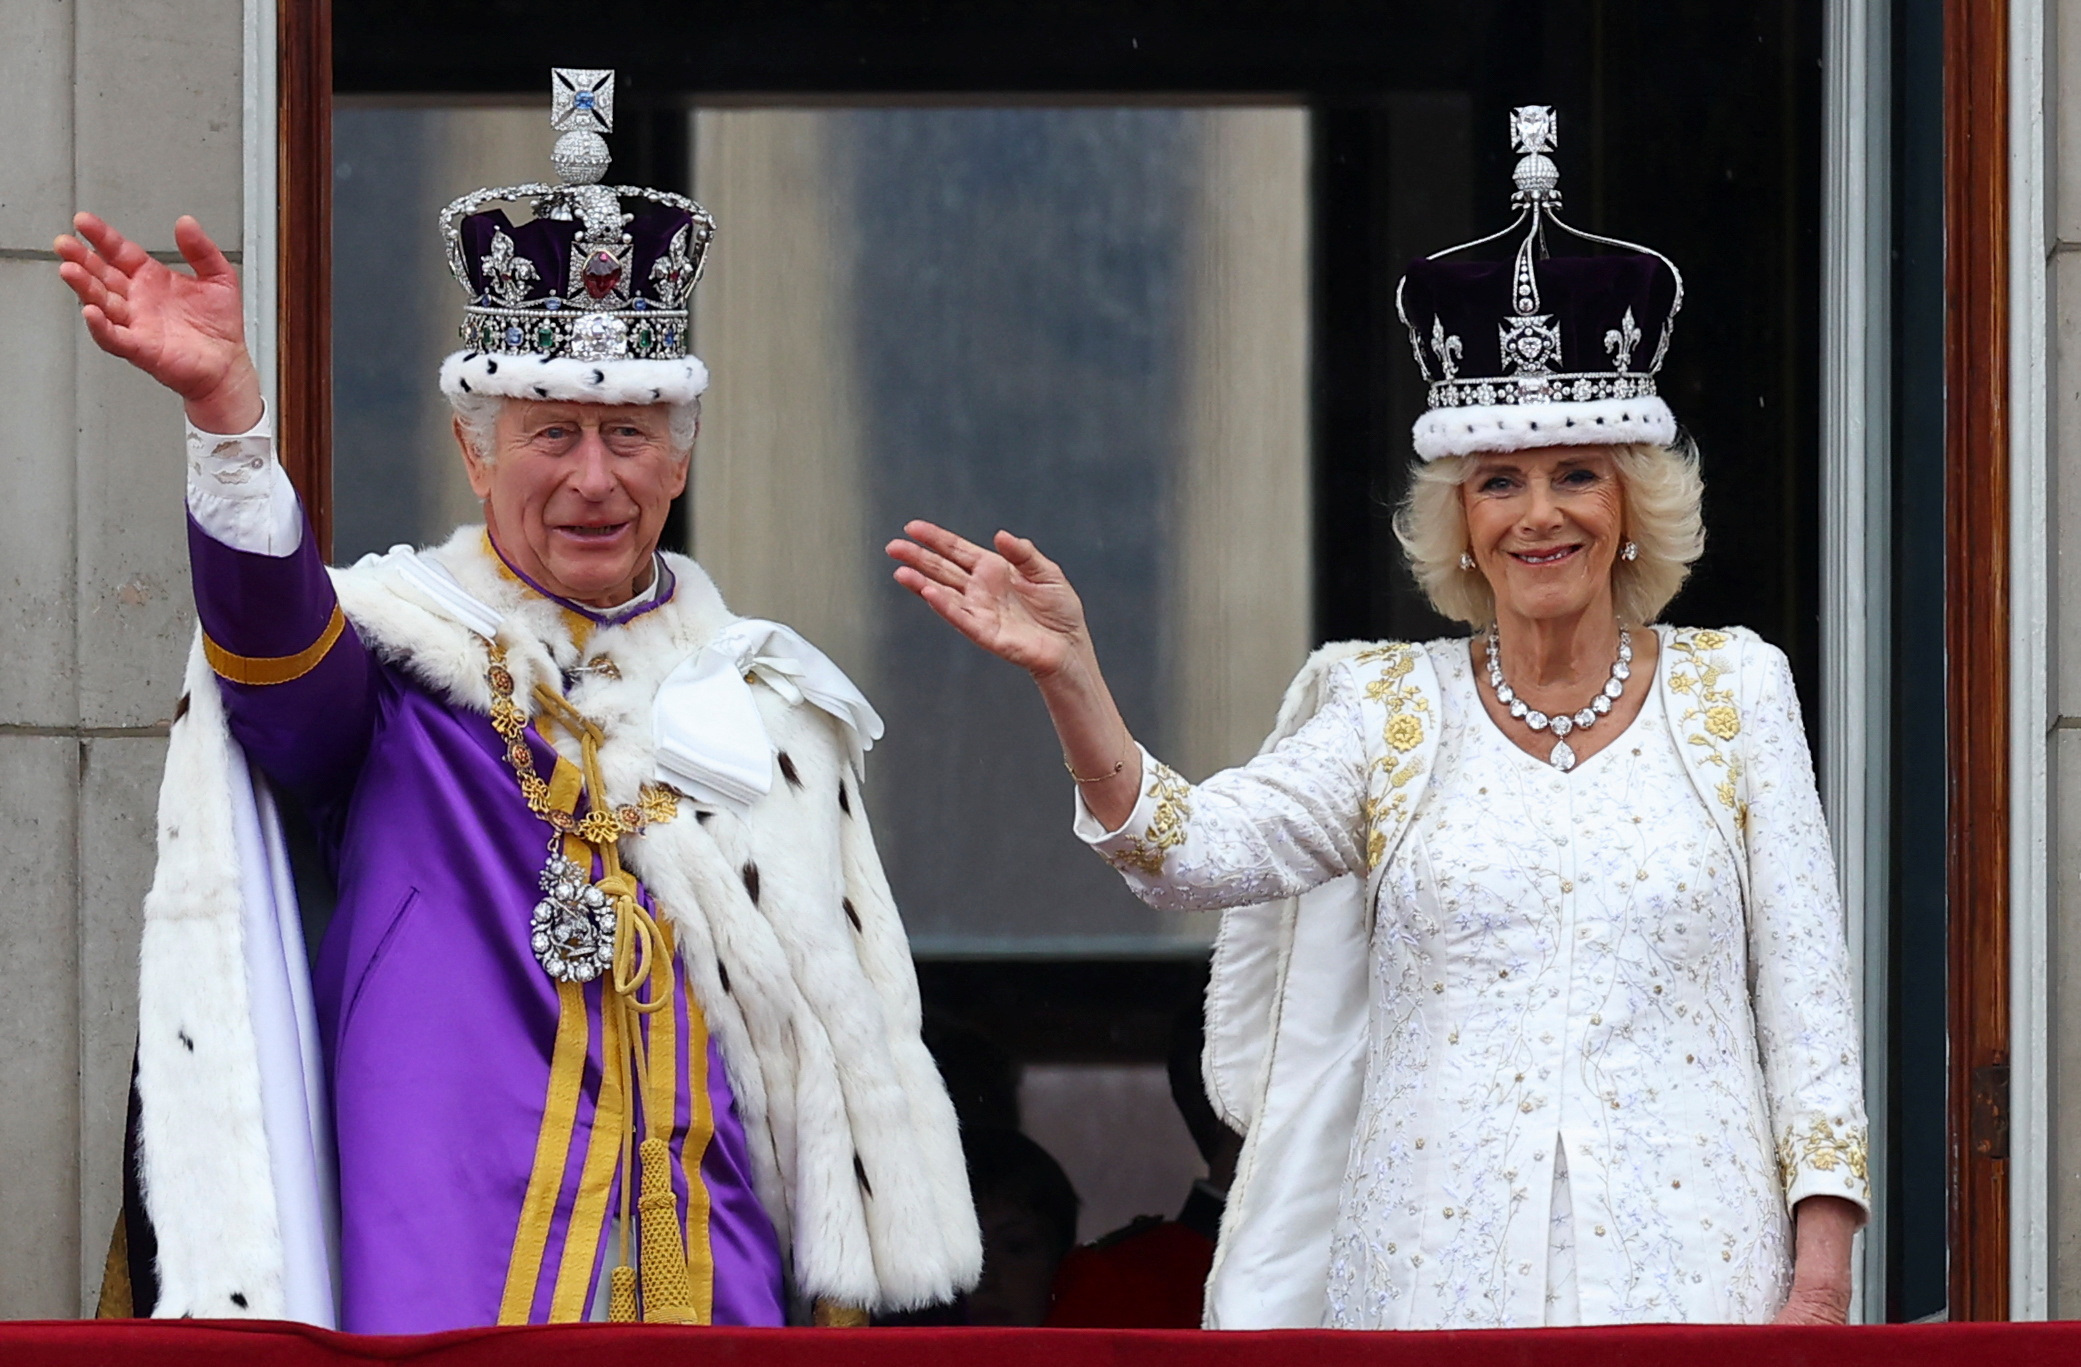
{"x": 602, "y": 274}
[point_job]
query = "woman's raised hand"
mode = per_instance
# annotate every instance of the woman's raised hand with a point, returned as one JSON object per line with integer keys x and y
{"x": 188, "y": 332}
{"x": 1013, "y": 602}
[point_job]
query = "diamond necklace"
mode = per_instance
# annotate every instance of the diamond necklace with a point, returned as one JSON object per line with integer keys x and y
{"x": 1563, "y": 755}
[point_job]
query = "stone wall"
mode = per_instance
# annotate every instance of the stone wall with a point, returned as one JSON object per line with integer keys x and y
{"x": 131, "y": 108}
{"x": 2063, "y": 310}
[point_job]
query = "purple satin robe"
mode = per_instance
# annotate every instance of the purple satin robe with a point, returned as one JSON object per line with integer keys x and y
{"x": 437, "y": 1024}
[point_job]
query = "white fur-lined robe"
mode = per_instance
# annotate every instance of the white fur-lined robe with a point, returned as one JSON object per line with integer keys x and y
{"x": 818, "y": 1027}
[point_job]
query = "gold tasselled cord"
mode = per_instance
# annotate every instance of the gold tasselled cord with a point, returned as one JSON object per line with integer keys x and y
{"x": 642, "y": 950}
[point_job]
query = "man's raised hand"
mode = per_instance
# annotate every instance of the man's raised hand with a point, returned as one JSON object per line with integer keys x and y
{"x": 187, "y": 332}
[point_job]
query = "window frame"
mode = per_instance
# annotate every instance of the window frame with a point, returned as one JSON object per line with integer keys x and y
{"x": 1978, "y": 544}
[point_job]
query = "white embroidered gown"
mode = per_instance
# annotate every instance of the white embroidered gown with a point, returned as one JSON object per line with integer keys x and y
{"x": 1577, "y": 1041}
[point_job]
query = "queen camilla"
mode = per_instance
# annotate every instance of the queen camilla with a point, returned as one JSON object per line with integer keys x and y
{"x": 1532, "y": 994}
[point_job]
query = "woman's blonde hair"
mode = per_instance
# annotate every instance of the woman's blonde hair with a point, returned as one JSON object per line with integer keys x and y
{"x": 1662, "y": 491}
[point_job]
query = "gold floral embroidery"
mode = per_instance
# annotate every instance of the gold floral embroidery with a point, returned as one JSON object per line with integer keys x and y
{"x": 1697, "y": 675}
{"x": 1822, "y": 1149}
{"x": 1404, "y": 731}
{"x": 1146, "y": 852}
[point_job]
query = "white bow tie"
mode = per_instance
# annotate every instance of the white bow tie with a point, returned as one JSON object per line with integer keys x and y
{"x": 710, "y": 740}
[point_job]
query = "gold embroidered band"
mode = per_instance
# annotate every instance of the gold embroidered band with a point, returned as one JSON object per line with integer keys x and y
{"x": 279, "y": 669}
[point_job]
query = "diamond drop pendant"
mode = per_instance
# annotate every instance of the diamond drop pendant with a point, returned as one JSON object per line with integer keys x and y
{"x": 1562, "y": 756}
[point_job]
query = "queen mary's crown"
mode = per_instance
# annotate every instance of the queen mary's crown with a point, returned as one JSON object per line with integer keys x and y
{"x": 588, "y": 298}
{"x": 1540, "y": 349}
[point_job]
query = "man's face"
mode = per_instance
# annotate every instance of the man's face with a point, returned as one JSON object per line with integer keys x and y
{"x": 576, "y": 494}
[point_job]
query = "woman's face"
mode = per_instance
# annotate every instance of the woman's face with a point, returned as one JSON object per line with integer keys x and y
{"x": 1545, "y": 527}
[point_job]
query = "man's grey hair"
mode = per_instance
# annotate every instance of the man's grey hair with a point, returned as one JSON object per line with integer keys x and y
{"x": 479, "y": 416}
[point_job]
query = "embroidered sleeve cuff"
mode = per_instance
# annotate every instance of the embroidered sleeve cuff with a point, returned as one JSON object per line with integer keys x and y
{"x": 1098, "y": 837}
{"x": 239, "y": 493}
{"x": 1152, "y": 830}
{"x": 1826, "y": 1158}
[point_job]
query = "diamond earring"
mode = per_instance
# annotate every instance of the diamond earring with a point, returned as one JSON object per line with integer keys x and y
{"x": 1629, "y": 552}
{"x": 1466, "y": 560}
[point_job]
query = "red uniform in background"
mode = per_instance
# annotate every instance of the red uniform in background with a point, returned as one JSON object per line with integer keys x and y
{"x": 1150, "y": 1275}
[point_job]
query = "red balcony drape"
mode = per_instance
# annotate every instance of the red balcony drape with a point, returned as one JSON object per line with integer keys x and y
{"x": 190, "y": 1343}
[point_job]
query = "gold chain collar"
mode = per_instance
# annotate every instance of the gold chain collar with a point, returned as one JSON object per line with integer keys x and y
{"x": 601, "y": 825}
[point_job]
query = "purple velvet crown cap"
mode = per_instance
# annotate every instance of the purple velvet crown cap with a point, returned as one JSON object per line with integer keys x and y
{"x": 547, "y": 244}
{"x": 1537, "y": 350}
{"x": 1589, "y": 297}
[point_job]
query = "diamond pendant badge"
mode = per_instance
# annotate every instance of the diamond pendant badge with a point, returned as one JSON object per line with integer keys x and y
{"x": 572, "y": 928}
{"x": 1562, "y": 757}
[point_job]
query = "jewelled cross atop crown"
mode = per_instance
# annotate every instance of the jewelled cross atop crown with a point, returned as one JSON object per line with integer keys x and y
{"x": 1540, "y": 350}
{"x": 598, "y": 275}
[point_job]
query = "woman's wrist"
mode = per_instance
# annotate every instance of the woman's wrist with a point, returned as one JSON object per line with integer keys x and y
{"x": 1818, "y": 1281}
{"x": 1088, "y": 780}
{"x": 1079, "y": 664}
{"x": 1076, "y": 697}
{"x": 1823, "y": 1230}
{"x": 1097, "y": 747}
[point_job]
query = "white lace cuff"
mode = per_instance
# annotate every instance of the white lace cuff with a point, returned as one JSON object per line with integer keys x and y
{"x": 240, "y": 494}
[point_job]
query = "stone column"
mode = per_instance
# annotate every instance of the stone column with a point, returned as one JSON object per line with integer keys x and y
{"x": 2063, "y": 309}
{"x": 132, "y": 110}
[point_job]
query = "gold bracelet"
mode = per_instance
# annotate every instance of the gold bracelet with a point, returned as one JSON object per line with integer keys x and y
{"x": 1118, "y": 765}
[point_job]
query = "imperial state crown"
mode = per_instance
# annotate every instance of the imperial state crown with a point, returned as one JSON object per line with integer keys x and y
{"x": 589, "y": 299}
